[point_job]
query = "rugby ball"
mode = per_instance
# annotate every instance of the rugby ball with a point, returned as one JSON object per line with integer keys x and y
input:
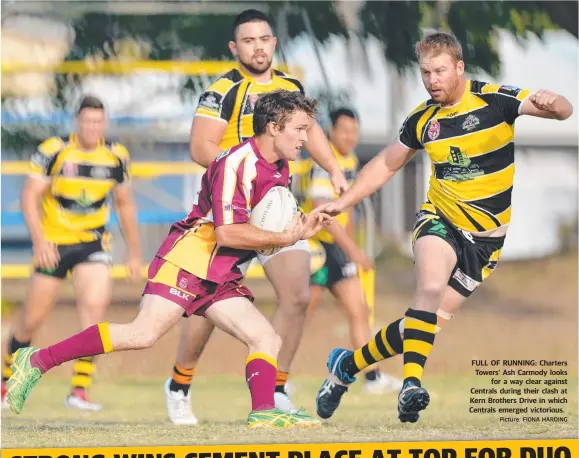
{"x": 273, "y": 213}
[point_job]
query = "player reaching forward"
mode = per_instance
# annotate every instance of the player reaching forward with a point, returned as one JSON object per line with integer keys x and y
{"x": 64, "y": 204}
{"x": 224, "y": 119}
{"x": 467, "y": 129}
{"x": 197, "y": 268}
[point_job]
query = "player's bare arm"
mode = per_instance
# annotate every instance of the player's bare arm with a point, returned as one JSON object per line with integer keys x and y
{"x": 547, "y": 104}
{"x": 45, "y": 254}
{"x": 245, "y": 236}
{"x": 206, "y": 133}
{"x": 127, "y": 211}
{"x": 372, "y": 177}
{"x": 319, "y": 148}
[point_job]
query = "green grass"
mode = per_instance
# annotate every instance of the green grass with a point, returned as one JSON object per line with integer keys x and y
{"x": 134, "y": 414}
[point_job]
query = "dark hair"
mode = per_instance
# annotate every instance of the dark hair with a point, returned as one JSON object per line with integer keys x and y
{"x": 278, "y": 106}
{"x": 339, "y": 112}
{"x": 90, "y": 101}
{"x": 250, "y": 15}
{"x": 436, "y": 43}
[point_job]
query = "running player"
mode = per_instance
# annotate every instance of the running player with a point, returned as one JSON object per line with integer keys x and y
{"x": 339, "y": 274}
{"x": 467, "y": 129}
{"x": 224, "y": 119}
{"x": 197, "y": 268}
{"x": 64, "y": 205}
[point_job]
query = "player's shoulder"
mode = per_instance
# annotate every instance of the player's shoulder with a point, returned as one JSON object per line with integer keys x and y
{"x": 52, "y": 146}
{"x": 420, "y": 109}
{"x": 290, "y": 79}
{"x": 224, "y": 83}
{"x": 118, "y": 149}
{"x": 483, "y": 87}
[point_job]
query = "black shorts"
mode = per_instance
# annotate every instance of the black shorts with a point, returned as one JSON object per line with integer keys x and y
{"x": 336, "y": 268}
{"x": 477, "y": 257}
{"x": 72, "y": 255}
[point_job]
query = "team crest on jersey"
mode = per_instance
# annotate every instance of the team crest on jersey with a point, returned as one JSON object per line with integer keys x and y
{"x": 183, "y": 283}
{"x": 69, "y": 170}
{"x": 250, "y": 103}
{"x": 434, "y": 130}
{"x": 470, "y": 123}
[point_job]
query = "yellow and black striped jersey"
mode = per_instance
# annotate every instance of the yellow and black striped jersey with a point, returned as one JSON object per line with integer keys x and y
{"x": 471, "y": 146}
{"x": 232, "y": 97}
{"x": 74, "y": 208}
{"x": 319, "y": 187}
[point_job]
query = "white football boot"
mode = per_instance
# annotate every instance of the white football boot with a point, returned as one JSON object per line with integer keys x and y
{"x": 179, "y": 406}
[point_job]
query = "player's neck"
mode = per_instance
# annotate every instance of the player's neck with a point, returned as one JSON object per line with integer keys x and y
{"x": 265, "y": 149}
{"x": 458, "y": 93}
{"x": 264, "y": 77}
{"x": 84, "y": 146}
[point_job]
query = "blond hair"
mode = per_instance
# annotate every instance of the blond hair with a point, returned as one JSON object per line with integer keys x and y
{"x": 437, "y": 43}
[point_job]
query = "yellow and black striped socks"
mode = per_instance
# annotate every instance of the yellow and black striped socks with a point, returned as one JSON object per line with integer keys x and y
{"x": 181, "y": 380}
{"x": 83, "y": 370}
{"x": 419, "y": 333}
{"x": 385, "y": 344}
{"x": 13, "y": 345}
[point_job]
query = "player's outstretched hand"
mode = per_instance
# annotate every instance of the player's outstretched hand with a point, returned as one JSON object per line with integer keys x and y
{"x": 314, "y": 223}
{"x": 330, "y": 208}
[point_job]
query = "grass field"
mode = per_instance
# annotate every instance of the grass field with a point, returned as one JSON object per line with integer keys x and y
{"x": 524, "y": 311}
{"x": 135, "y": 415}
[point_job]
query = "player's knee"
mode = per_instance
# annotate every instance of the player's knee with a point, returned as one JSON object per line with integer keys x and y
{"x": 433, "y": 290}
{"x": 143, "y": 336}
{"x": 295, "y": 301}
{"x": 267, "y": 341}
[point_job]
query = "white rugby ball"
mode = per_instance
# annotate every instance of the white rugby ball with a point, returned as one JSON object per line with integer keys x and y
{"x": 274, "y": 212}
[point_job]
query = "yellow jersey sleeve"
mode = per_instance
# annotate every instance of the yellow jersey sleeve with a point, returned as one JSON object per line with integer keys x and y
{"x": 121, "y": 152}
{"x": 43, "y": 159}
{"x": 409, "y": 134}
{"x": 508, "y": 99}
{"x": 218, "y": 101}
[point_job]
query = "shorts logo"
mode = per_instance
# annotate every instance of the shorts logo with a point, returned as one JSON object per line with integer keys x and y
{"x": 183, "y": 283}
{"x": 437, "y": 228}
{"x": 434, "y": 130}
{"x": 181, "y": 294}
{"x": 470, "y": 123}
{"x": 100, "y": 256}
{"x": 467, "y": 235}
{"x": 349, "y": 270}
{"x": 469, "y": 283}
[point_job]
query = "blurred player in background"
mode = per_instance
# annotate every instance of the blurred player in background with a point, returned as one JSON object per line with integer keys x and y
{"x": 198, "y": 268}
{"x": 467, "y": 129}
{"x": 340, "y": 273}
{"x": 64, "y": 205}
{"x": 224, "y": 119}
